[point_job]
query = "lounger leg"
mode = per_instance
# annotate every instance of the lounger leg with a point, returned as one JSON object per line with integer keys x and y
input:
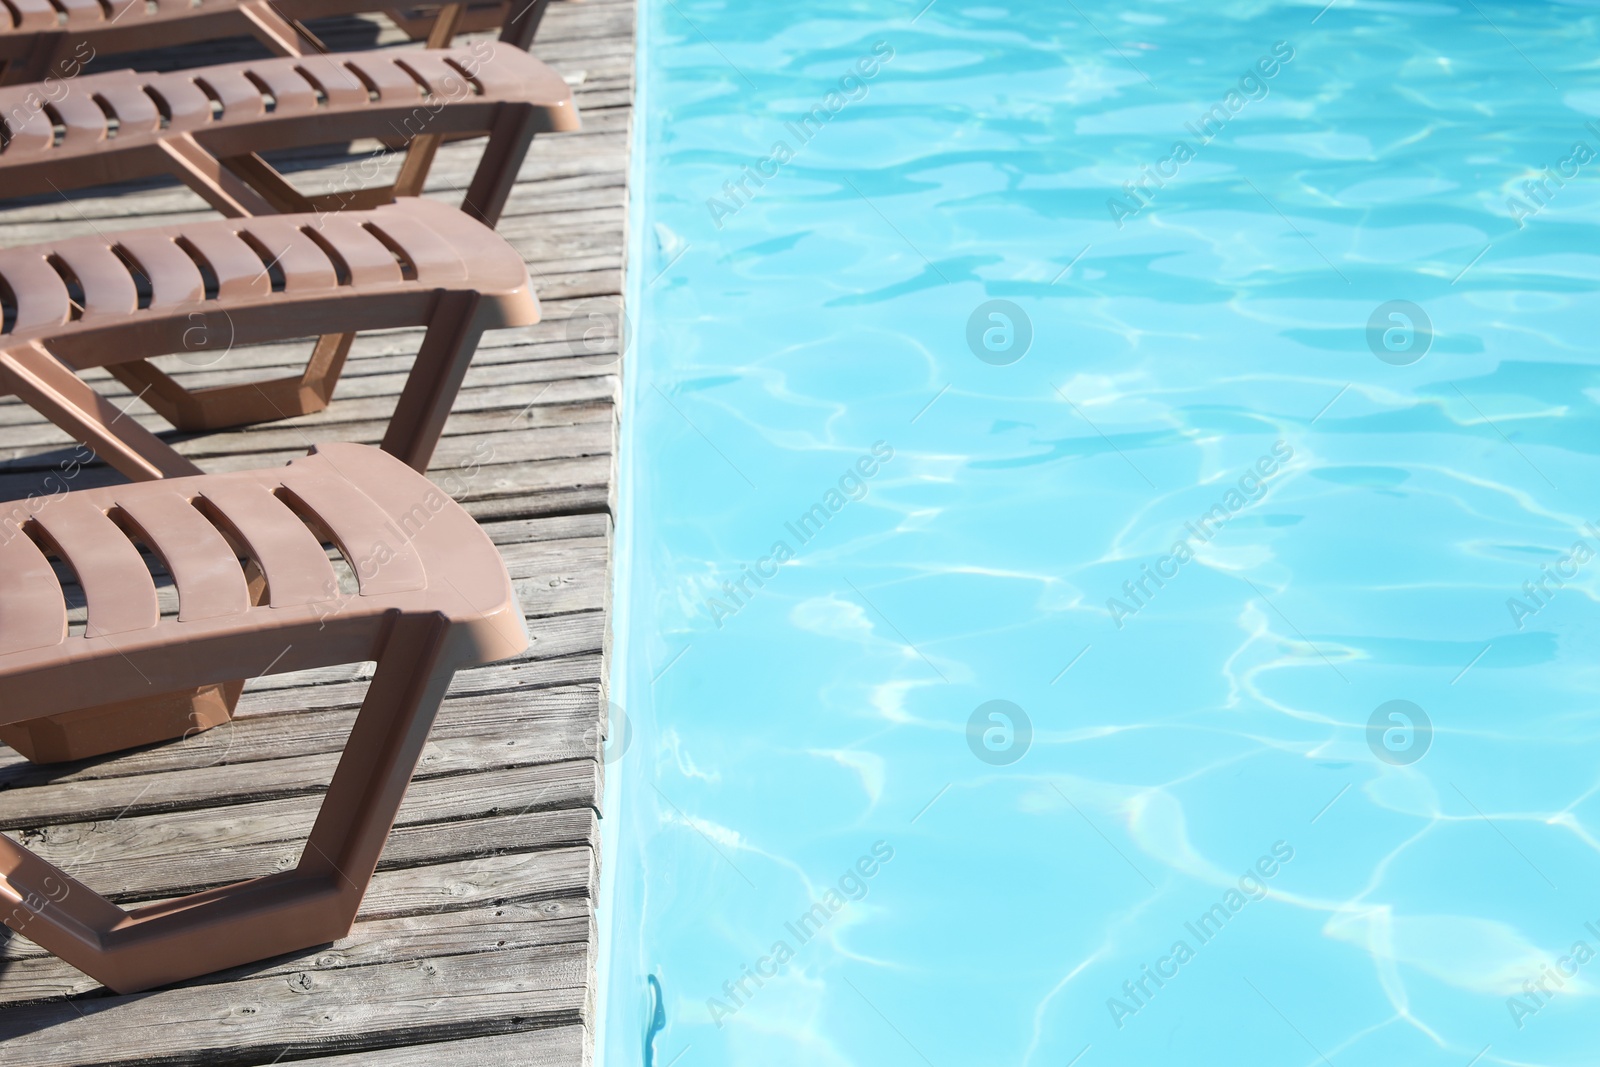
{"x": 522, "y": 22}
{"x": 414, "y": 169}
{"x": 265, "y": 179}
{"x": 430, "y": 392}
{"x": 420, "y": 153}
{"x": 312, "y": 905}
{"x": 51, "y": 388}
{"x": 224, "y": 406}
{"x": 158, "y": 389}
{"x": 497, "y": 171}
{"x": 473, "y": 17}
{"x": 216, "y": 184}
{"x": 446, "y": 24}
{"x": 379, "y": 758}
{"x": 283, "y": 36}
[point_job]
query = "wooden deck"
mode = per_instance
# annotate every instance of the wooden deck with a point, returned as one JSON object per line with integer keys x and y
{"x": 476, "y": 945}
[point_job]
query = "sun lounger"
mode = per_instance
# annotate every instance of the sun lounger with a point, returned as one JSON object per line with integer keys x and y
{"x": 42, "y": 39}
{"x": 434, "y": 598}
{"x": 204, "y": 287}
{"x": 208, "y": 127}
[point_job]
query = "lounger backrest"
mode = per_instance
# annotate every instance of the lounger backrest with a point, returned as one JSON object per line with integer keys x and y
{"x": 216, "y": 283}
{"x": 411, "y": 549}
{"x": 110, "y": 127}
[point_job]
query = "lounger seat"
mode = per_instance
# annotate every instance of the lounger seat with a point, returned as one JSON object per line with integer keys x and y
{"x": 208, "y": 286}
{"x": 207, "y": 127}
{"x": 41, "y": 38}
{"x": 434, "y": 597}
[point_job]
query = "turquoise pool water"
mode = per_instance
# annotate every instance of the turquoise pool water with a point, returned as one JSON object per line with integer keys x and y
{"x": 1262, "y": 506}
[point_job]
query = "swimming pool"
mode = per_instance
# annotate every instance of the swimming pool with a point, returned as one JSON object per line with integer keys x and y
{"x": 1107, "y": 574}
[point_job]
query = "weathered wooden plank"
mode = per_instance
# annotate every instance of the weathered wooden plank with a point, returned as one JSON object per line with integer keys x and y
{"x": 528, "y": 480}
{"x": 332, "y": 688}
{"x": 560, "y": 413}
{"x": 143, "y": 857}
{"x": 516, "y": 489}
{"x": 548, "y": 878}
{"x": 455, "y": 884}
{"x": 35, "y": 975}
{"x": 559, "y": 359}
{"x": 384, "y": 1004}
{"x": 490, "y": 375}
{"x": 503, "y": 436}
{"x": 148, "y": 878}
{"x": 559, "y": 528}
{"x": 559, "y": 337}
{"x": 565, "y": 1046}
{"x": 532, "y": 416}
{"x": 295, "y": 766}
{"x": 558, "y": 720}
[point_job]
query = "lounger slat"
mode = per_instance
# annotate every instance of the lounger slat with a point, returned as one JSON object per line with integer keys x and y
{"x": 41, "y": 295}
{"x": 32, "y": 135}
{"x": 530, "y": 82}
{"x": 344, "y": 89}
{"x": 174, "y": 278}
{"x": 378, "y": 550}
{"x": 392, "y": 83}
{"x": 13, "y": 98}
{"x": 239, "y": 96}
{"x": 443, "y": 80}
{"x": 296, "y": 568}
{"x": 82, "y": 12}
{"x": 115, "y": 581}
{"x": 369, "y": 261}
{"x": 186, "y": 102}
{"x": 210, "y": 580}
{"x": 135, "y": 111}
{"x": 36, "y": 14}
{"x": 239, "y": 270}
{"x": 434, "y": 257}
{"x": 32, "y": 611}
{"x": 108, "y": 288}
{"x": 305, "y": 266}
{"x": 85, "y": 122}
{"x": 289, "y": 89}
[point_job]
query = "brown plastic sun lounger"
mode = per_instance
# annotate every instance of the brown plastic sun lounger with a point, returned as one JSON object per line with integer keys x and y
{"x": 42, "y": 39}
{"x": 208, "y": 127}
{"x": 201, "y": 287}
{"x": 434, "y": 597}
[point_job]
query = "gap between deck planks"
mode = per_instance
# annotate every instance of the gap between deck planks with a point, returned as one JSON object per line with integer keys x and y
{"x": 476, "y": 944}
